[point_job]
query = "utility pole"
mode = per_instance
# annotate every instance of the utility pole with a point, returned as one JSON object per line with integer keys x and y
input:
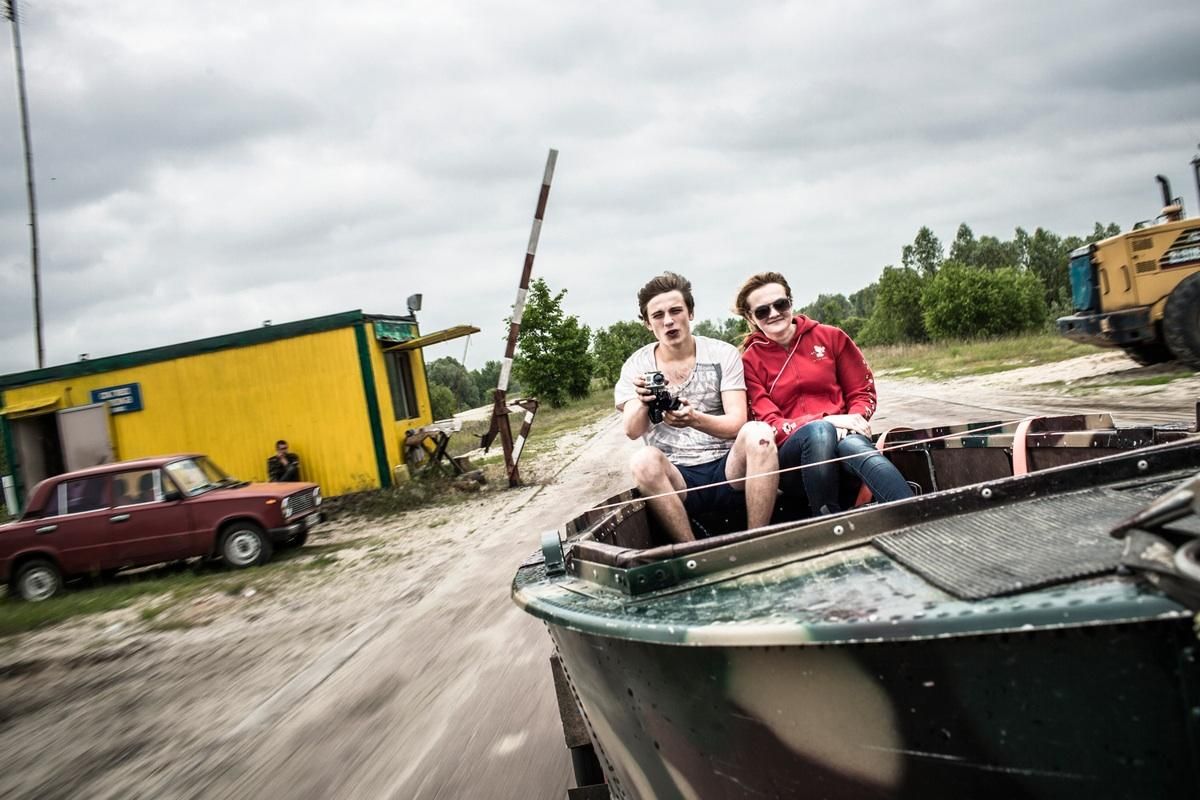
{"x": 9, "y": 9}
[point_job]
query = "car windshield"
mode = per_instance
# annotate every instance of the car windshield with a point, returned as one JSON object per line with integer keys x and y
{"x": 198, "y": 475}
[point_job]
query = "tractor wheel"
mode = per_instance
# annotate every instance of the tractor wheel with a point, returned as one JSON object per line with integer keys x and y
{"x": 1181, "y": 321}
{"x": 1149, "y": 353}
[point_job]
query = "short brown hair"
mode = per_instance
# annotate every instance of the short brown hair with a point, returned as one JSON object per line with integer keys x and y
{"x": 667, "y": 282}
{"x": 741, "y": 306}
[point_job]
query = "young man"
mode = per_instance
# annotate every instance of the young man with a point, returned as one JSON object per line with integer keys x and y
{"x": 706, "y": 439}
{"x": 283, "y": 466}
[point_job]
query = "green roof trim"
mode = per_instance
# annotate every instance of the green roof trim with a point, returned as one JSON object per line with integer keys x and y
{"x": 268, "y": 333}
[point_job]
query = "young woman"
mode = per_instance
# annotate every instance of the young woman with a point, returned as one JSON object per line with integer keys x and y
{"x": 811, "y": 384}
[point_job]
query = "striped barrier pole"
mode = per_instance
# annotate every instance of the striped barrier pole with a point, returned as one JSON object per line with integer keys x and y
{"x": 500, "y": 422}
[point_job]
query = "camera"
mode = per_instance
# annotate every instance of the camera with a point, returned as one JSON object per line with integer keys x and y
{"x": 656, "y": 382}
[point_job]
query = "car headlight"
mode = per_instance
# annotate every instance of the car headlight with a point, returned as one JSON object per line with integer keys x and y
{"x": 317, "y": 496}
{"x": 286, "y": 506}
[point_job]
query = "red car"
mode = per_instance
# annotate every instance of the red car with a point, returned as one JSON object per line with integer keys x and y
{"x": 133, "y": 513}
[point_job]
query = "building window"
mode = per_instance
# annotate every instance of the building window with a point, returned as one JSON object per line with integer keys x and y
{"x": 400, "y": 380}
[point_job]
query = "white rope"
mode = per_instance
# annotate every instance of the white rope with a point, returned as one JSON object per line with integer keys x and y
{"x": 838, "y": 459}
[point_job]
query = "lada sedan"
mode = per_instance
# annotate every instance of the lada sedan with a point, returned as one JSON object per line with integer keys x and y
{"x": 133, "y": 513}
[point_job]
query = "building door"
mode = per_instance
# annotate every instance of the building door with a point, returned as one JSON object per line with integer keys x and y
{"x": 38, "y": 451}
{"x": 84, "y": 433}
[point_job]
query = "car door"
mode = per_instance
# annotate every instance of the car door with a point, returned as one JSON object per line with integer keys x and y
{"x": 80, "y": 533}
{"x": 146, "y": 527}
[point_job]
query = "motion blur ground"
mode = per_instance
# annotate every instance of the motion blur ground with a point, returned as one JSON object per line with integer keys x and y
{"x": 402, "y": 670}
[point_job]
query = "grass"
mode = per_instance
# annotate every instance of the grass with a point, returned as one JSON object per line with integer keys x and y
{"x": 942, "y": 360}
{"x": 551, "y": 423}
{"x": 1086, "y": 385}
{"x": 172, "y": 583}
{"x": 429, "y": 488}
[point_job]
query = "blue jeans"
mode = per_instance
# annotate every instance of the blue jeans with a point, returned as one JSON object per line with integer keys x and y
{"x": 817, "y": 441}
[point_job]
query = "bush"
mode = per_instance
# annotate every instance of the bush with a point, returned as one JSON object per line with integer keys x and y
{"x": 553, "y": 361}
{"x": 614, "y": 344}
{"x": 853, "y": 326}
{"x": 896, "y": 315}
{"x": 962, "y": 303}
{"x": 442, "y": 401}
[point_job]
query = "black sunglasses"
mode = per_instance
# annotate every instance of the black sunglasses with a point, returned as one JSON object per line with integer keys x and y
{"x": 779, "y": 306}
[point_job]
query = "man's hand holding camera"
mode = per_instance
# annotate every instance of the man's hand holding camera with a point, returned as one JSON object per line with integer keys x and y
{"x": 684, "y": 416}
{"x": 653, "y": 392}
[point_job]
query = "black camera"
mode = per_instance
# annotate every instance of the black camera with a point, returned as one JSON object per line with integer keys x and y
{"x": 656, "y": 382}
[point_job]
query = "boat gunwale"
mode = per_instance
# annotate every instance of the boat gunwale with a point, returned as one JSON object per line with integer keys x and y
{"x": 859, "y": 526}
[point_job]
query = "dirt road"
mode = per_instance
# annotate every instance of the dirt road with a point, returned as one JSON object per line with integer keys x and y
{"x": 403, "y": 671}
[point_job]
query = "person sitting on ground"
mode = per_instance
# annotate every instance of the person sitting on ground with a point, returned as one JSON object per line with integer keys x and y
{"x": 283, "y": 466}
{"x": 812, "y": 385}
{"x": 707, "y": 439}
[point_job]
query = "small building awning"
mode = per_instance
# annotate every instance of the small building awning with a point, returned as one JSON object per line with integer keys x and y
{"x": 437, "y": 337}
{"x": 29, "y": 408}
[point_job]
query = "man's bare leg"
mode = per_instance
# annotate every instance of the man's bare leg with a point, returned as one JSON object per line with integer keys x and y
{"x": 753, "y": 456}
{"x": 654, "y": 474}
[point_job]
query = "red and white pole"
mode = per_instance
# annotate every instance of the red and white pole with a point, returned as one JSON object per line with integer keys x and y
{"x": 500, "y": 403}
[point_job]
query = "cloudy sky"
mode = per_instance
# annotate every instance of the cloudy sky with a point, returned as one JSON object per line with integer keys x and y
{"x": 203, "y": 166}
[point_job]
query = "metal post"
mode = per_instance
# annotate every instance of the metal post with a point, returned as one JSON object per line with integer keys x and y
{"x": 10, "y": 9}
{"x": 500, "y": 422}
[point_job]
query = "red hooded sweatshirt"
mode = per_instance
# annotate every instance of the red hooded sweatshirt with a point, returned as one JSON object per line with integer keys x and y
{"x": 822, "y": 372}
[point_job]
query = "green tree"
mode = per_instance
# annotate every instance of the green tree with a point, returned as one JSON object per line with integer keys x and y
{"x": 454, "y": 376}
{"x": 485, "y": 379}
{"x": 925, "y": 253}
{"x": 553, "y": 360}
{"x": 441, "y": 401}
{"x": 962, "y": 302}
{"x": 832, "y": 309}
{"x": 863, "y": 301}
{"x": 614, "y": 344}
{"x": 853, "y": 326}
{"x": 896, "y": 316}
{"x": 731, "y": 329}
{"x": 1047, "y": 258}
{"x": 962, "y": 249}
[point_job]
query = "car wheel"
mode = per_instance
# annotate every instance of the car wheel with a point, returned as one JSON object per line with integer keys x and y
{"x": 1181, "y": 321}
{"x": 38, "y": 580}
{"x": 245, "y": 545}
{"x": 1148, "y": 354}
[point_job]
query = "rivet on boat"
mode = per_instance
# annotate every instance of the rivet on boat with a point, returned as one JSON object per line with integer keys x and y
{"x": 986, "y": 493}
{"x": 838, "y": 530}
{"x": 1143, "y": 465}
{"x": 691, "y": 564}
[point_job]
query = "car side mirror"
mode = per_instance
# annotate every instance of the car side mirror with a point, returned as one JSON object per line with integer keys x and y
{"x": 172, "y": 496}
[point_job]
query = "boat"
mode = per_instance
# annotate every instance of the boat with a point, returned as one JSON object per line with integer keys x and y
{"x": 1024, "y": 627}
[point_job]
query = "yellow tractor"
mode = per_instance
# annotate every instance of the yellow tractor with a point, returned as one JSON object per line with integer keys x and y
{"x": 1140, "y": 291}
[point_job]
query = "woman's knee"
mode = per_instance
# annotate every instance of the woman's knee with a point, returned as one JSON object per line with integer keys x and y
{"x": 819, "y": 436}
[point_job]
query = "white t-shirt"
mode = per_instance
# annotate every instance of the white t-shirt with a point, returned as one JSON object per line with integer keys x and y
{"x": 718, "y": 369}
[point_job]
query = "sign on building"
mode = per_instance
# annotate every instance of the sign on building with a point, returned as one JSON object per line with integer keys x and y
{"x": 121, "y": 399}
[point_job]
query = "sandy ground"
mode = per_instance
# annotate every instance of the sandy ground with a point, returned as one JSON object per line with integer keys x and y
{"x": 403, "y": 670}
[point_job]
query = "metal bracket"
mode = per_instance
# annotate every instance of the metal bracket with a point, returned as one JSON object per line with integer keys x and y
{"x": 552, "y": 551}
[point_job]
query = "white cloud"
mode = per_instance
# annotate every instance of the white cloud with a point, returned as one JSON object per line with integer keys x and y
{"x": 201, "y": 169}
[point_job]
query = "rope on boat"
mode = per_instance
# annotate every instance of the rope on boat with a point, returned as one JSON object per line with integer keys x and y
{"x": 780, "y": 471}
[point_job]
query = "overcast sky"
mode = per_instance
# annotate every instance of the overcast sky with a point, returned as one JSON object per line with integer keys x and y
{"x": 202, "y": 167}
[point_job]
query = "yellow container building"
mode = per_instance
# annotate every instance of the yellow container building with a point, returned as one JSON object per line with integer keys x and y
{"x": 341, "y": 389}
